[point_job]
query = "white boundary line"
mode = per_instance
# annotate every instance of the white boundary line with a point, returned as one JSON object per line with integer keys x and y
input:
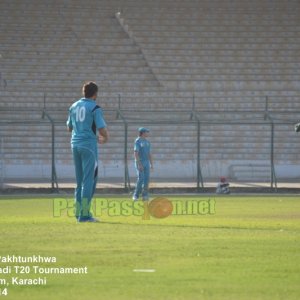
{"x": 144, "y": 270}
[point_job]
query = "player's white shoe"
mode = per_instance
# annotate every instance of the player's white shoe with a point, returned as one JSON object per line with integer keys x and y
{"x": 134, "y": 198}
{"x": 88, "y": 220}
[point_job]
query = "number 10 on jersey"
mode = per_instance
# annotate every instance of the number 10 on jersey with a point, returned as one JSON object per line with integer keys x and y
{"x": 80, "y": 114}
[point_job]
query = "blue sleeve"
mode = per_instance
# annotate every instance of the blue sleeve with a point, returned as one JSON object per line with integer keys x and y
{"x": 69, "y": 121}
{"x": 98, "y": 118}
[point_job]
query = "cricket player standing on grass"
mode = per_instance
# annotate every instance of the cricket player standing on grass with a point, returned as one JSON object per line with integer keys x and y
{"x": 143, "y": 163}
{"x": 84, "y": 121}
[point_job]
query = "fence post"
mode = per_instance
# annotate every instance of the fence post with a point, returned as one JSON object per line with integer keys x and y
{"x": 126, "y": 175}
{"x": 199, "y": 174}
{"x": 53, "y": 169}
{"x": 266, "y": 108}
{"x": 193, "y": 108}
{"x": 45, "y": 100}
{"x": 119, "y": 106}
{"x": 54, "y": 183}
{"x": 273, "y": 175}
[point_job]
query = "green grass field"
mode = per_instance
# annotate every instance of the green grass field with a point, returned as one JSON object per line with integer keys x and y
{"x": 248, "y": 249}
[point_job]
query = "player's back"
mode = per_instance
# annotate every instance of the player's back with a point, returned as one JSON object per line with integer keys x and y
{"x": 81, "y": 114}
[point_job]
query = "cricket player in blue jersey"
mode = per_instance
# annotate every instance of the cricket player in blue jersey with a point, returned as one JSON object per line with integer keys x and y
{"x": 143, "y": 163}
{"x": 85, "y": 121}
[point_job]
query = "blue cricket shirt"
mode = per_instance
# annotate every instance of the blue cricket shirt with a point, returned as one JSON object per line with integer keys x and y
{"x": 143, "y": 147}
{"x": 85, "y": 117}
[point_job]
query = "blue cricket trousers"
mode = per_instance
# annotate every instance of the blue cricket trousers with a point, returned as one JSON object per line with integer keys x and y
{"x": 86, "y": 170}
{"x": 142, "y": 184}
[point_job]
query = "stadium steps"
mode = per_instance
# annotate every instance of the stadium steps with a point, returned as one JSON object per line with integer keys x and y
{"x": 245, "y": 37}
{"x": 89, "y": 36}
{"x": 154, "y": 100}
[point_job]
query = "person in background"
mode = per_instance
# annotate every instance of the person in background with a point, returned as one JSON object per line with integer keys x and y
{"x": 223, "y": 186}
{"x": 143, "y": 164}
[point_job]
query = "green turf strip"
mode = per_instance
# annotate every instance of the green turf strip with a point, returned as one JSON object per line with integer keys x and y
{"x": 249, "y": 248}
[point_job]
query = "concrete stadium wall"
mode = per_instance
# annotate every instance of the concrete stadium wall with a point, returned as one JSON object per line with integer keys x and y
{"x": 211, "y": 170}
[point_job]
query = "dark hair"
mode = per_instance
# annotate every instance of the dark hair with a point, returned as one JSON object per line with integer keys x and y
{"x": 89, "y": 89}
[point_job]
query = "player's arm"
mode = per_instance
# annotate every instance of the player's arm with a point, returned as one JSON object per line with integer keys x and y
{"x": 69, "y": 123}
{"x": 151, "y": 160}
{"x": 138, "y": 161}
{"x": 101, "y": 125}
{"x": 150, "y": 157}
{"x": 103, "y": 135}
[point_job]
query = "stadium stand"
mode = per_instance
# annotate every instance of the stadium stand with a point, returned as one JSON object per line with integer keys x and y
{"x": 252, "y": 47}
{"x": 227, "y": 59}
